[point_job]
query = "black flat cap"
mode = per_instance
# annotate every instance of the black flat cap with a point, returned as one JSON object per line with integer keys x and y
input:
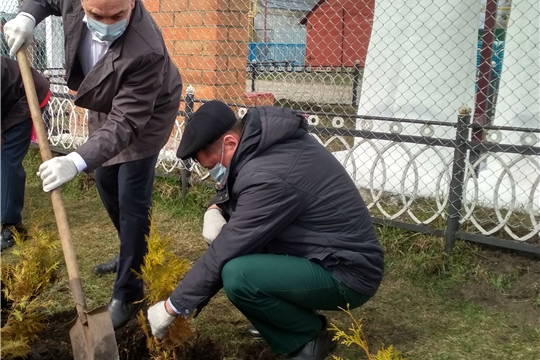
{"x": 212, "y": 120}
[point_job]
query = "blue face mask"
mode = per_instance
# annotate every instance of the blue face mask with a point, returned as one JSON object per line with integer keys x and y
{"x": 106, "y": 32}
{"x": 218, "y": 171}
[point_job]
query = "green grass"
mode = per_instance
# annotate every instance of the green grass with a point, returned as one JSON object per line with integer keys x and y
{"x": 427, "y": 307}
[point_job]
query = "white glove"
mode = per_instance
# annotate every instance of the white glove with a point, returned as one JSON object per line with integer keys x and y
{"x": 18, "y": 31}
{"x": 56, "y": 171}
{"x": 213, "y": 222}
{"x": 159, "y": 319}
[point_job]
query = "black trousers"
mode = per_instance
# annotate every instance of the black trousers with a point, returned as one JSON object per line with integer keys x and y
{"x": 126, "y": 192}
{"x": 15, "y": 143}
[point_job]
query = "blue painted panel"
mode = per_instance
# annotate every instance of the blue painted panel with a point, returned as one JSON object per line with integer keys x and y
{"x": 263, "y": 52}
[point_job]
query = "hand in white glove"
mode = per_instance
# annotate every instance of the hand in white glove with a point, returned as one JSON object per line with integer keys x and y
{"x": 56, "y": 171}
{"x": 213, "y": 222}
{"x": 159, "y": 319}
{"x": 18, "y": 31}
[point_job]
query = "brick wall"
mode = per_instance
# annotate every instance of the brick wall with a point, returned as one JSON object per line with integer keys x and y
{"x": 207, "y": 40}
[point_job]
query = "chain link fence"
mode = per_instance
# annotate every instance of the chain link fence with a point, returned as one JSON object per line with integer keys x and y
{"x": 432, "y": 107}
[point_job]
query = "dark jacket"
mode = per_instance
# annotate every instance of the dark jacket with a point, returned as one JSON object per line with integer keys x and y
{"x": 286, "y": 194}
{"x": 133, "y": 91}
{"x": 14, "y": 104}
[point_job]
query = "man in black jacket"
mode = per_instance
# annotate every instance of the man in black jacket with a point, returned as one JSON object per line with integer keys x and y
{"x": 297, "y": 236}
{"x": 16, "y": 133}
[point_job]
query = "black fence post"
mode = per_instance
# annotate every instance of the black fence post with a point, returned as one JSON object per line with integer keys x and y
{"x": 253, "y": 66}
{"x": 356, "y": 82}
{"x": 186, "y": 173}
{"x": 455, "y": 196}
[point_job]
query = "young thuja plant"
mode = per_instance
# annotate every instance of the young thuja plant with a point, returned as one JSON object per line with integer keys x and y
{"x": 356, "y": 336}
{"x": 161, "y": 272}
{"x": 25, "y": 276}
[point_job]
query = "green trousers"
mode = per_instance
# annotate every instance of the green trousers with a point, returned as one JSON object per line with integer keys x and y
{"x": 279, "y": 295}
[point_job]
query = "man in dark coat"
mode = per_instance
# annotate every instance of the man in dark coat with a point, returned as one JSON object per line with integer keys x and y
{"x": 117, "y": 62}
{"x": 297, "y": 238}
{"x": 16, "y": 134}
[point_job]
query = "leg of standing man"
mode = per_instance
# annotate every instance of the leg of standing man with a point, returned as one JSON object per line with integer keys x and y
{"x": 15, "y": 143}
{"x": 126, "y": 192}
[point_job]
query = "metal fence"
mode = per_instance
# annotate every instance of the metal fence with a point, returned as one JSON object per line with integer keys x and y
{"x": 395, "y": 122}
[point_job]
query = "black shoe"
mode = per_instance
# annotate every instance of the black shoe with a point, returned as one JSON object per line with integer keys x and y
{"x": 317, "y": 348}
{"x": 106, "y": 267}
{"x": 122, "y": 311}
{"x": 251, "y": 331}
{"x": 6, "y": 236}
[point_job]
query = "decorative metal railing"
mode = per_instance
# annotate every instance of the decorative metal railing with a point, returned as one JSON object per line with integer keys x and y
{"x": 414, "y": 180}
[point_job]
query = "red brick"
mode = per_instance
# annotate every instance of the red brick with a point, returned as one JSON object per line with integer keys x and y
{"x": 188, "y": 47}
{"x": 219, "y": 77}
{"x": 221, "y": 64}
{"x": 191, "y": 76}
{"x": 175, "y": 33}
{"x": 240, "y": 5}
{"x": 181, "y": 62}
{"x": 230, "y": 48}
{"x": 205, "y": 92}
{"x": 206, "y": 5}
{"x": 237, "y": 62}
{"x": 230, "y": 91}
{"x": 189, "y": 18}
{"x": 151, "y": 5}
{"x": 238, "y": 34}
{"x": 223, "y": 18}
{"x": 243, "y": 19}
{"x": 213, "y": 63}
{"x": 202, "y": 62}
{"x": 203, "y": 33}
{"x": 222, "y": 34}
{"x": 241, "y": 76}
{"x": 164, "y": 19}
{"x": 174, "y": 5}
{"x": 209, "y": 47}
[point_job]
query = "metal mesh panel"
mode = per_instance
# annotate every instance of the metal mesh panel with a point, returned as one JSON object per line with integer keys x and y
{"x": 382, "y": 82}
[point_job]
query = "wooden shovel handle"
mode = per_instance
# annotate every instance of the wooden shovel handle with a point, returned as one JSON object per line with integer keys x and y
{"x": 56, "y": 194}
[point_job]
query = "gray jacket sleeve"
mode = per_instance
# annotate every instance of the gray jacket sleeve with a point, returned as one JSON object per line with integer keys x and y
{"x": 40, "y": 9}
{"x": 266, "y": 205}
{"x": 132, "y": 109}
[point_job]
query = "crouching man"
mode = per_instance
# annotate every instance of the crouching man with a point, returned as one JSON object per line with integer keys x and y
{"x": 293, "y": 233}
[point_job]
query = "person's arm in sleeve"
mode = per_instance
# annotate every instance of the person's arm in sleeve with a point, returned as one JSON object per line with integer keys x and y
{"x": 20, "y": 30}
{"x": 132, "y": 108}
{"x": 266, "y": 205}
{"x": 40, "y": 9}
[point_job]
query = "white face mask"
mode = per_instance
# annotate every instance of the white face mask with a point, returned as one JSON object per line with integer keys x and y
{"x": 106, "y": 32}
{"x": 218, "y": 171}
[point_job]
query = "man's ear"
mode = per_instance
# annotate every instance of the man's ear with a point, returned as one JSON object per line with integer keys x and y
{"x": 230, "y": 141}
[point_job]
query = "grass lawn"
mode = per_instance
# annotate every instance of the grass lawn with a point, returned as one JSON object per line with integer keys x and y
{"x": 485, "y": 305}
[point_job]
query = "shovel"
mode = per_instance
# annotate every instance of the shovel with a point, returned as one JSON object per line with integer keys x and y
{"x": 91, "y": 333}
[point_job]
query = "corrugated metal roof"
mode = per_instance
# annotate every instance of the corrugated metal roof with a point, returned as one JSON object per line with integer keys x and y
{"x": 297, "y": 5}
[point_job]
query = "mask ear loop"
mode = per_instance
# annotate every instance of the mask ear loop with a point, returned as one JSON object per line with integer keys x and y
{"x": 222, "y": 151}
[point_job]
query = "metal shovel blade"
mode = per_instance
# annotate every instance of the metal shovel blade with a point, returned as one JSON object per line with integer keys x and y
{"x": 93, "y": 338}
